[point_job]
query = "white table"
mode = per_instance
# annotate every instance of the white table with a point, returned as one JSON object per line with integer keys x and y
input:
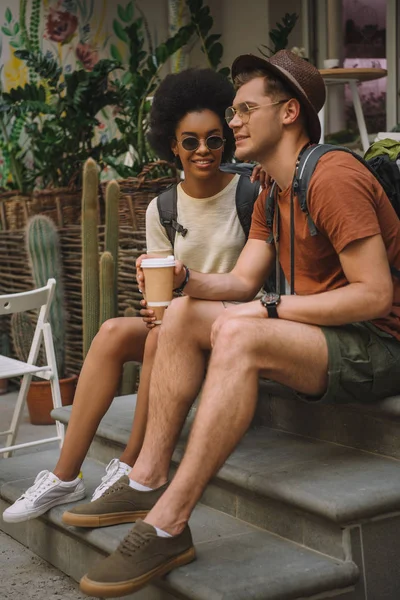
{"x": 351, "y": 76}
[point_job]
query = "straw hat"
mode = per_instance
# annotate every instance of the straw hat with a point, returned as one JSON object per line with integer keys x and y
{"x": 301, "y": 76}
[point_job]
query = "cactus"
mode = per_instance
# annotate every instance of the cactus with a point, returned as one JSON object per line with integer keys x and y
{"x": 111, "y": 237}
{"x": 107, "y": 295}
{"x": 131, "y": 369}
{"x": 90, "y": 254}
{"x": 43, "y": 248}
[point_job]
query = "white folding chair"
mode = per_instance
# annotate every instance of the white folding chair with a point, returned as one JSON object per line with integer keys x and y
{"x": 9, "y": 367}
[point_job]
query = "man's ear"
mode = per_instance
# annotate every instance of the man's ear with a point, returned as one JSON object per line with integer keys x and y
{"x": 292, "y": 111}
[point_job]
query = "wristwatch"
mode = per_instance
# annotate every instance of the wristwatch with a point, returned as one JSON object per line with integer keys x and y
{"x": 270, "y": 301}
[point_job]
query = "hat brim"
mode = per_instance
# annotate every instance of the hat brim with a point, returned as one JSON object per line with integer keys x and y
{"x": 250, "y": 62}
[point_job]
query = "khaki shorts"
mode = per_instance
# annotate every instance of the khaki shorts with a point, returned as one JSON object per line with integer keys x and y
{"x": 364, "y": 364}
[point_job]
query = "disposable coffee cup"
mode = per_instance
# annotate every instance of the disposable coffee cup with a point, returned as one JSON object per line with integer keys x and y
{"x": 159, "y": 280}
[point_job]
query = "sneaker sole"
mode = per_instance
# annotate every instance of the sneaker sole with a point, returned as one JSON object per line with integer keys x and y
{"x": 73, "y": 497}
{"x": 112, "y": 590}
{"x": 103, "y": 520}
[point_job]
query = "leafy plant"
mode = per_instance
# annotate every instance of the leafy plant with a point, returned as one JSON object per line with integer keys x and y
{"x": 138, "y": 83}
{"x": 202, "y": 22}
{"x": 58, "y": 115}
{"x": 280, "y": 36}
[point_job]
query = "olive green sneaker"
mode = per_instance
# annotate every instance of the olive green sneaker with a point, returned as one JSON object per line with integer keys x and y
{"x": 119, "y": 504}
{"x": 139, "y": 558}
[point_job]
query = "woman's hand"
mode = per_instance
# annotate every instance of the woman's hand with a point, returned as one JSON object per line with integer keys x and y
{"x": 139, "y": 273}
{"x": 147, "y": 315}
{"x": 179, "y": 273}
{"x": 260, "y": 175}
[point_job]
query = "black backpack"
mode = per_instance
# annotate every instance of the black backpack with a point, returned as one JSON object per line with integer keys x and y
{"x": 386, "y": 171}
{"x": 246, "y": 194}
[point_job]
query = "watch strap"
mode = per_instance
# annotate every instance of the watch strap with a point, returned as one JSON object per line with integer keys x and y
{"x": 272, "y": 311}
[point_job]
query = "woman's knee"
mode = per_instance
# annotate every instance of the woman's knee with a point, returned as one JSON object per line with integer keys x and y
{"x": 116, "y": 336}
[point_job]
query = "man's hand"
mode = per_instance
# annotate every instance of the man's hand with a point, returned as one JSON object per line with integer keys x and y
{"x": 260, "y": 175}
{"x": 247, "y": 310}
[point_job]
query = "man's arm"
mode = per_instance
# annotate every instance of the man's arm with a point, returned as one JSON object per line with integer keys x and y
{"x": 369, "y": 294}
{"x": 254, "y": 264}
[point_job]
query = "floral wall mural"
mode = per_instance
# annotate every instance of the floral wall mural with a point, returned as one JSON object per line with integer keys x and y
{"x": 76, "y": 34}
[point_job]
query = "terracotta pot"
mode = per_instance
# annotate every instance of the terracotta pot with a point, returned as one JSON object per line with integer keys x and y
{"x": 3, "y": 386}
{"x": 40, "y": 403}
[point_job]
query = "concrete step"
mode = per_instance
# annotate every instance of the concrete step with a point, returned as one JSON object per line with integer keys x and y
{"x": 234, "y": 559}
{"x": 321, "y": 495}
{"x": 375, "y": 427}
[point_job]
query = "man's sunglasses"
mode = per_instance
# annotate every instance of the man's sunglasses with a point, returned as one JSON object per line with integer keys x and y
{"x": 243, "y": 110}
{"x": 191, "y": 143}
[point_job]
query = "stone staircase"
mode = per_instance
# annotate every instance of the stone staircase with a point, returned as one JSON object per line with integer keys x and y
{"x": 307, "y": 507}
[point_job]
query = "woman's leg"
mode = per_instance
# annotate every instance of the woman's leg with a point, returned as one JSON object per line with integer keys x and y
{"x": 118, "y": 341}
{"x": 135, "y": 441}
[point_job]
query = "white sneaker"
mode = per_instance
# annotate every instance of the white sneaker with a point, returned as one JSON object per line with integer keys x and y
{"x": 47, "y": 491}
{"x": 114, "y": 471}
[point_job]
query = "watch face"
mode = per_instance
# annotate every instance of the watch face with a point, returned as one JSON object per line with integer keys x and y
{"x": 271, "y": 298}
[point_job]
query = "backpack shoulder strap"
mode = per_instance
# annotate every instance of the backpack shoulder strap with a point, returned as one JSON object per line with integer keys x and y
{"x": 167, "y": 204}
{"x": 269, "y": 211}
{"x": 246, "y": 194}
{"x": 305, "y": 170}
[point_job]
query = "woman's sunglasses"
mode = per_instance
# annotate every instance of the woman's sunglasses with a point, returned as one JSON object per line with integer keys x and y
{"x": 213, "y": 142}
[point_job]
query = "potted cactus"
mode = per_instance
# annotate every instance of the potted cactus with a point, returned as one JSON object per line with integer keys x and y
{"x": 42, "y": 243}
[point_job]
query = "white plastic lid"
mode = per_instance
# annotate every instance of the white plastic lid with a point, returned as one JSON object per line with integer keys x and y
{"x": 153, "y": 263}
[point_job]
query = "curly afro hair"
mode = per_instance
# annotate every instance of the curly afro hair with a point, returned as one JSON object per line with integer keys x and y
{"x": 188, "y": 91}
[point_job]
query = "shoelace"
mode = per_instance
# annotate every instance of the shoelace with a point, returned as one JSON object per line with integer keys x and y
{"x": 133, "y": 542}
{"x": 42, "y": 482}
{"x": 114, "y": 471}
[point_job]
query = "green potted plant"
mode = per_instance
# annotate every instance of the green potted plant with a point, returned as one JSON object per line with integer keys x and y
{"x": 279, "y": 36}
{"x": 43, "y": 250}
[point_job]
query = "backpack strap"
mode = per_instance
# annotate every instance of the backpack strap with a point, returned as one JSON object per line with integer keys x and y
{"x": 306, "y": 167}
{"x": 167, "y": 204}
{"x": 246, "y": 194}
{"x": 270, "y": 211}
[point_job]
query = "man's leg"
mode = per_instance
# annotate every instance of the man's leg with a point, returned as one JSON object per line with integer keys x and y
{"x": 290, "y": 353}
{"x": 118, "y": 341}
{"x": 178, "y": 373}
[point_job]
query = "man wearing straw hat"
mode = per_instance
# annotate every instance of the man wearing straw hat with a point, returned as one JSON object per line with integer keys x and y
{"x": 335, "y": 339}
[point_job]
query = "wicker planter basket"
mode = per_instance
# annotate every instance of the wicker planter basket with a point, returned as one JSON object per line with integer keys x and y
{"x": 63, "y": 205}
{"x": 137, "y": 192}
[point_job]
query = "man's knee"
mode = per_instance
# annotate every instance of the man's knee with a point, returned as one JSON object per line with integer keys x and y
{"x": 233, "y": 341}
{"x": 177, "y": 313}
